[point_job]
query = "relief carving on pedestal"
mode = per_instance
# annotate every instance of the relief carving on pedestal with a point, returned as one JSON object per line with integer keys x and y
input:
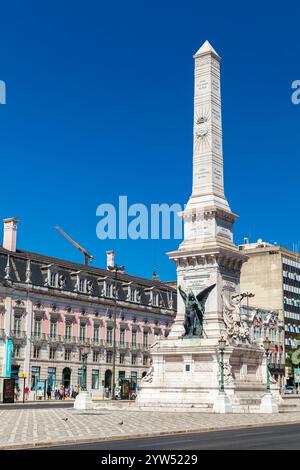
{"x": 149, "y": 376}
{"x": 228, "y": 374}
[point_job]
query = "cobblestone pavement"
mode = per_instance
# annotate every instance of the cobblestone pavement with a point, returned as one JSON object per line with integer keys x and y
{"x": 29, "y": 427}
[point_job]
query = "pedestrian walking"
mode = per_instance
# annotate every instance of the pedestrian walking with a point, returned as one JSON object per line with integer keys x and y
{"x": 49, "y": 391}
{"x": 17, "y": 393}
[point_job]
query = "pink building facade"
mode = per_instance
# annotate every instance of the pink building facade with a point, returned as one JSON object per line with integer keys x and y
{"x": 52, "y": 310}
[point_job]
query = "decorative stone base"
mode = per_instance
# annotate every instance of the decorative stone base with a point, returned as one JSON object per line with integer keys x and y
{"x": 268, "y": 404}
{"x": 83, "y": 401}
{"x": 222, "y": 404}
{"x": 186, "y": 373}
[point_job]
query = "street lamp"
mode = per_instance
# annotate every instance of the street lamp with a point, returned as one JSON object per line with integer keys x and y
{"x": 116, "y": 269}
{"x": 222, "y": 345}
{"x": 248, "y": 296}
{"x": 267, "y": 344}
{"x": 84, "y": 355}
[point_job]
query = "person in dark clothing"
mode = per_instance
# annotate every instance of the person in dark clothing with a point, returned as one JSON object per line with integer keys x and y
{"x": 49, "y": 390}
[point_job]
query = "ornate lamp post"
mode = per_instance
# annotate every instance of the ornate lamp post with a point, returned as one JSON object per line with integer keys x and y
{"x": 222, "y": 345}
{"x": 116, "y": 269}
{"x": 83, "y": 400}
{"x": 248, "y": 296}
{"x": 268, "y": 403}
{"x": 222, "y": 403}
{"x": 267, "y": 344}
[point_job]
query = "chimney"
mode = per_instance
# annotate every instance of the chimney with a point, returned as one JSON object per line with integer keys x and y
{"x": 10, "y": 234}
{"x": 110, "y": 259}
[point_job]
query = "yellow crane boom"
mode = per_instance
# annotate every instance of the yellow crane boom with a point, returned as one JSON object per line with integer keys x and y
{"x": 87, "y": 256}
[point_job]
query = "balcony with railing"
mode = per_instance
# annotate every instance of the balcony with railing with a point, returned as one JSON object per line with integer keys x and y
{"x": 108, "y": 343}
{"x": 18, "y": 334}
{"x": 97, "y": 342}
{"x": 123, "y": 345}
{"x": 138, "y": 347}
{"x": 54, "y": 338}
{"x": 38, "y": 337}
{"x": 83, "y": 341}
{"x": 68, "y": 339}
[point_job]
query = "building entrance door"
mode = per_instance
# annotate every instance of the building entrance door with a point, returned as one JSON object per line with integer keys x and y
{"x": 107, "y": 379}
{"x": 15, "y": 374}
{"x": 66, "y": 377}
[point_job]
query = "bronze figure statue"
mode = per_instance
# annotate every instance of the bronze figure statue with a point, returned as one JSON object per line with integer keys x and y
{"x": 194, "y": 311}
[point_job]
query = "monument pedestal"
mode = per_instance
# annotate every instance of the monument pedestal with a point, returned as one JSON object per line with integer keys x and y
{"x": 186, "y": 375}
{"x": 83, "y": 401}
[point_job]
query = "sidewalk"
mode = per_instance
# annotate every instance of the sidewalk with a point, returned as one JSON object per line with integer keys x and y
{"x": 37, "y": 405}
{"x": 25, "y": 428}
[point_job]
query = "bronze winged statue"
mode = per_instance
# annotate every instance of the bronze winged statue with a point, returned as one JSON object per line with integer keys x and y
{"x": 194, "y": 311}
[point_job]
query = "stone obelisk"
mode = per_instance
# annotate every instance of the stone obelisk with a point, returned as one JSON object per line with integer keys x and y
{"x": 186, "y": 368}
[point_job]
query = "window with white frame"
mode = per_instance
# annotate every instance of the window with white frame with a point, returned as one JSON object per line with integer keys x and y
{"x": 95, "y": 379}
{"x": 68, "y": 329}
{"x": 82, "y": 332}
{"x": 96, "y": 356}
{"x": 133, "y": 294}
{"x": 96, "y": 334}
{"x": 108, "y": 289}
{"x": 52, "y": 353}
{"x": 53, "y": 279}
{"x": 82, "y": 285}
{"x": 122, "y": 358}
{"x": 17, "y": 324}
{"x": 16, "y": 350}
{"x": 109, "y": 356}
{"x": 67, "y": 354}
{"x": 133, "y": 338}
{"x": 53, "y": 328}
{"x": 122, "y": 336}
{"x": 145, "y": 360}
{"x": 36, "y": 352}
{"x": 109, "y": 335}
{"x": 133, "y": 359}
{"x": 37, "y": 327}
{"x": 155, "y": 299}
{"x": 145, "y": 339}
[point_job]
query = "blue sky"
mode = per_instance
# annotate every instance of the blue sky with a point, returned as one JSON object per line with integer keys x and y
{"x": 100, "y": 104}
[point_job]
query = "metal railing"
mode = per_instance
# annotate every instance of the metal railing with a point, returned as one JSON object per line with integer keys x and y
{"x": 79, "y": 341}
{"x": 83, "y": 341}
{"x": 18, "y": 334}
{"x": 68, "y": 339}
{"x": 36, "y": 337}
{"x": 53, "y": 338}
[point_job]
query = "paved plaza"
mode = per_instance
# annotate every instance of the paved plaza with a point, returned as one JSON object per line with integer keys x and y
{"x": 32, "y": 427}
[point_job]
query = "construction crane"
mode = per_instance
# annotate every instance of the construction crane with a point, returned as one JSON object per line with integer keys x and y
{"x": 87, "y": 256}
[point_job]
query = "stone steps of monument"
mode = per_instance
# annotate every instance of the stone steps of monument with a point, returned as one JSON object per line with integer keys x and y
{"x": 115, "y": 405}
{"x": 132, "y": 406}
{"x": 285, "y": 407}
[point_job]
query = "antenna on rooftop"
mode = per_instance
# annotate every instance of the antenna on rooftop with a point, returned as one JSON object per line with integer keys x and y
{"x": 154, "y": 272}
{"x": 87, "y": 256}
